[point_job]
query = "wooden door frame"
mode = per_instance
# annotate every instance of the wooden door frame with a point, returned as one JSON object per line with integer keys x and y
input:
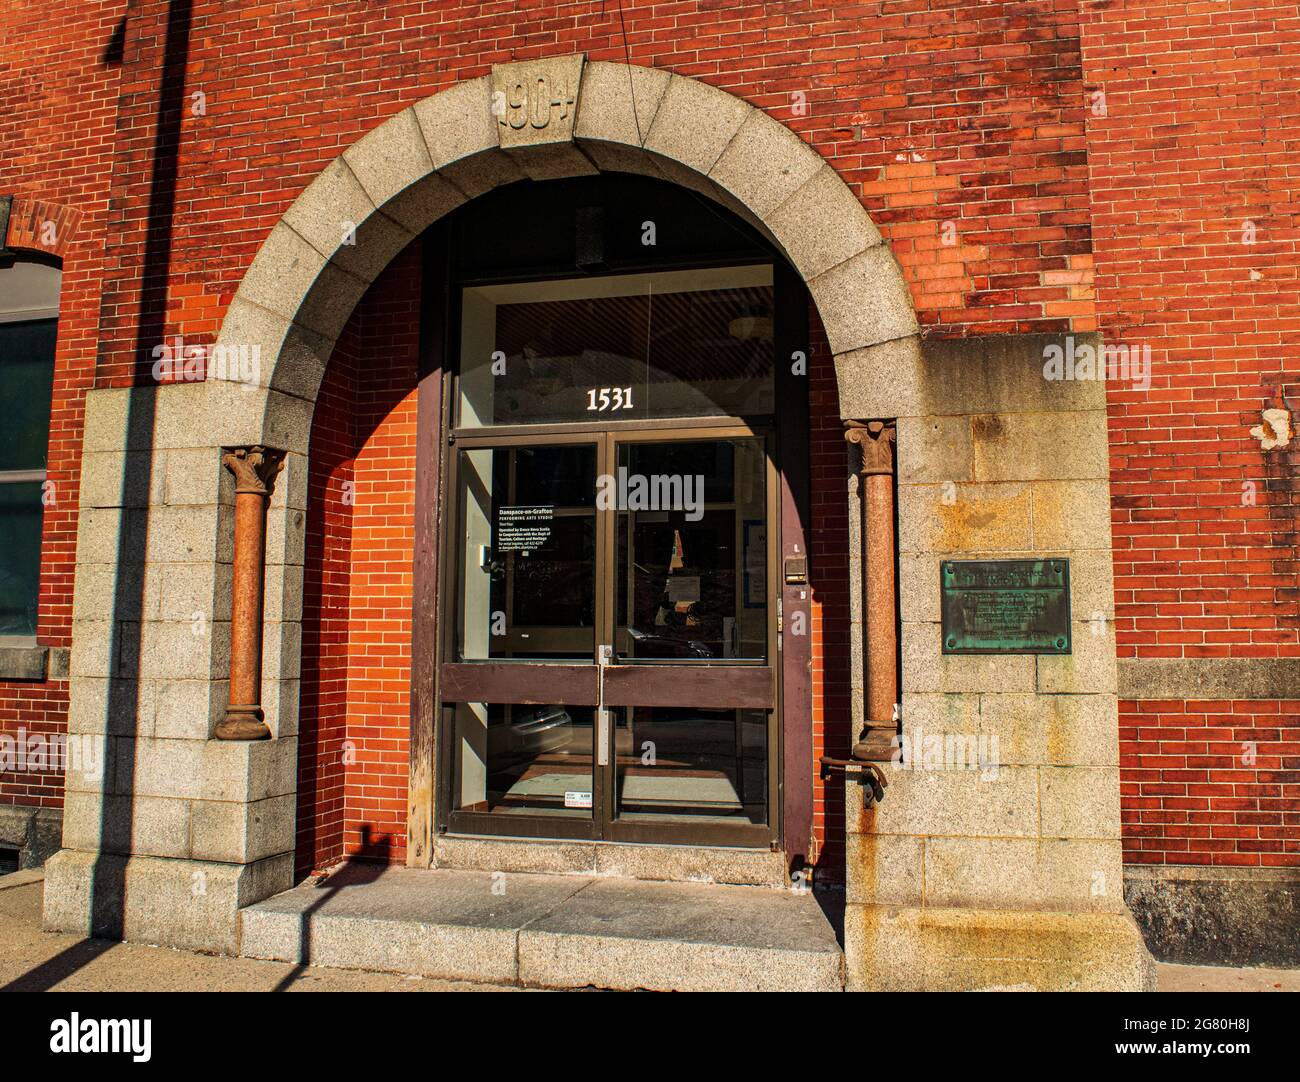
{"x": 793, "y": 426}
{"x": 432, "y": 375}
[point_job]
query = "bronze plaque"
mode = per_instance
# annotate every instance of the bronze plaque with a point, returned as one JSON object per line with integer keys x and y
{"x": 1005, "y": 606}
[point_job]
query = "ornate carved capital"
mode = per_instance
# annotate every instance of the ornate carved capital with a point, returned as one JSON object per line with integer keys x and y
{"x": 875, "y": 440}
{"x": 255, "y": 468}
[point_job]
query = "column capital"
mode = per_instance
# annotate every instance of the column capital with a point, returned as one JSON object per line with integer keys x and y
{"x": 255, "y": 468}
{"x": 875, "y": 439}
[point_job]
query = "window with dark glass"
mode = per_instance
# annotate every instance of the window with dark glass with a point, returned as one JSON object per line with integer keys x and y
{"x": 695, "y": 343}
{"x": 26, "y": 389}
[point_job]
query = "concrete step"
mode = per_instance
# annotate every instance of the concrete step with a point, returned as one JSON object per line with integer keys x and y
{"x": 550, "y": 931}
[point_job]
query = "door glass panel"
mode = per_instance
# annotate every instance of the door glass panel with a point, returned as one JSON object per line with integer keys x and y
{"x": 527, "y": 559}
{"x": 20, "y": 557}
{"x": 618, "y": 348}
{"x": 691, "y": 580}
{"x": 678, "y": 763}
{"x": 513, "y": 760}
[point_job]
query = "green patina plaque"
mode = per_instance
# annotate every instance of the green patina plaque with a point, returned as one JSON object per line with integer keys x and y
{"x": 1005, "y": 606}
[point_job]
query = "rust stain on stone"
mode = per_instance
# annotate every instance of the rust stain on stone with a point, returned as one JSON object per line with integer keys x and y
{"x": 987, "y": 426}
{"x": 990, "y": 522}
{"x": 1056, "y": 739}
{"x": 867, "y": 819}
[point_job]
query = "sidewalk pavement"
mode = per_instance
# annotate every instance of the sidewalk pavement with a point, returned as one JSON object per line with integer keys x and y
{"x": 36, "y": 961}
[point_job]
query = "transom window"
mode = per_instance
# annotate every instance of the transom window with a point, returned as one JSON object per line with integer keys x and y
{"x": 692, "y": 343}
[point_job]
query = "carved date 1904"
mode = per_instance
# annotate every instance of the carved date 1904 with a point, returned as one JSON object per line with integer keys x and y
{"x": 533, "y": 100}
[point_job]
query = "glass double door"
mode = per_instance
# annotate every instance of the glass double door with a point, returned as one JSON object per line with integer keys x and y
{"x": 609, "y": 636}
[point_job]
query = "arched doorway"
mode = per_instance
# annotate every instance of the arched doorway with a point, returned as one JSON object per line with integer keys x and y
{"x": 423, "y": 163}
{"x": 621, "y": 441}
{"x": 559, "y": 120}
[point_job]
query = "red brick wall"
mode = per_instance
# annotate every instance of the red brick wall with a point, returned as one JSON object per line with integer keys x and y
{"x": 964, "y": 127}
{"x": 828, "y": 546}
{"x": 1211, "y": 782}
{"x": 959, "y": 125}
{"x": 1195, "y": 134}
{"x": 383, "y": 552}
{"x": 323, "y": 704}
{"x": 58, "y": 96}
{"x": 935, "y": 111}
{"x": 355, "y": 713}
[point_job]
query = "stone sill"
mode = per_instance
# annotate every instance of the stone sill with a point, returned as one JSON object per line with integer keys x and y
{"x": 32, "y": 663}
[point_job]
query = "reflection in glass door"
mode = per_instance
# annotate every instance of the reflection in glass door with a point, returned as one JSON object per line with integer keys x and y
{"x": 658, "y": 546}
{"x": 516, "y": 759}
{"x": 525, "y": 591}
{"x": 684, "y": 764}
{"x": 691, "y": 583}
{"x": 528, "y": 558}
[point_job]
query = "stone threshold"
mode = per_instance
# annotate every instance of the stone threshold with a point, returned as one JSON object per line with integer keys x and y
{"x": 550, "y": 931}
{"x": 670, "y": 863}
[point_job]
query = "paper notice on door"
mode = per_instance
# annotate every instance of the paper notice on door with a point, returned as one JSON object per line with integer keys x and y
{"x": 684, "y": 588}
{"x": 522, "y": 529}
{"x": 575, "y": 799}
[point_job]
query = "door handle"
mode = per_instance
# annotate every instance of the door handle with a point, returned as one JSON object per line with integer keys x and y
{"x": 604, "y": 658}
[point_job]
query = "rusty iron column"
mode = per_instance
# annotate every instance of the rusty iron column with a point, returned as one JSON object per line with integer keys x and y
{"x": 255, "y": 469}
{"x": 875, "y": 440}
